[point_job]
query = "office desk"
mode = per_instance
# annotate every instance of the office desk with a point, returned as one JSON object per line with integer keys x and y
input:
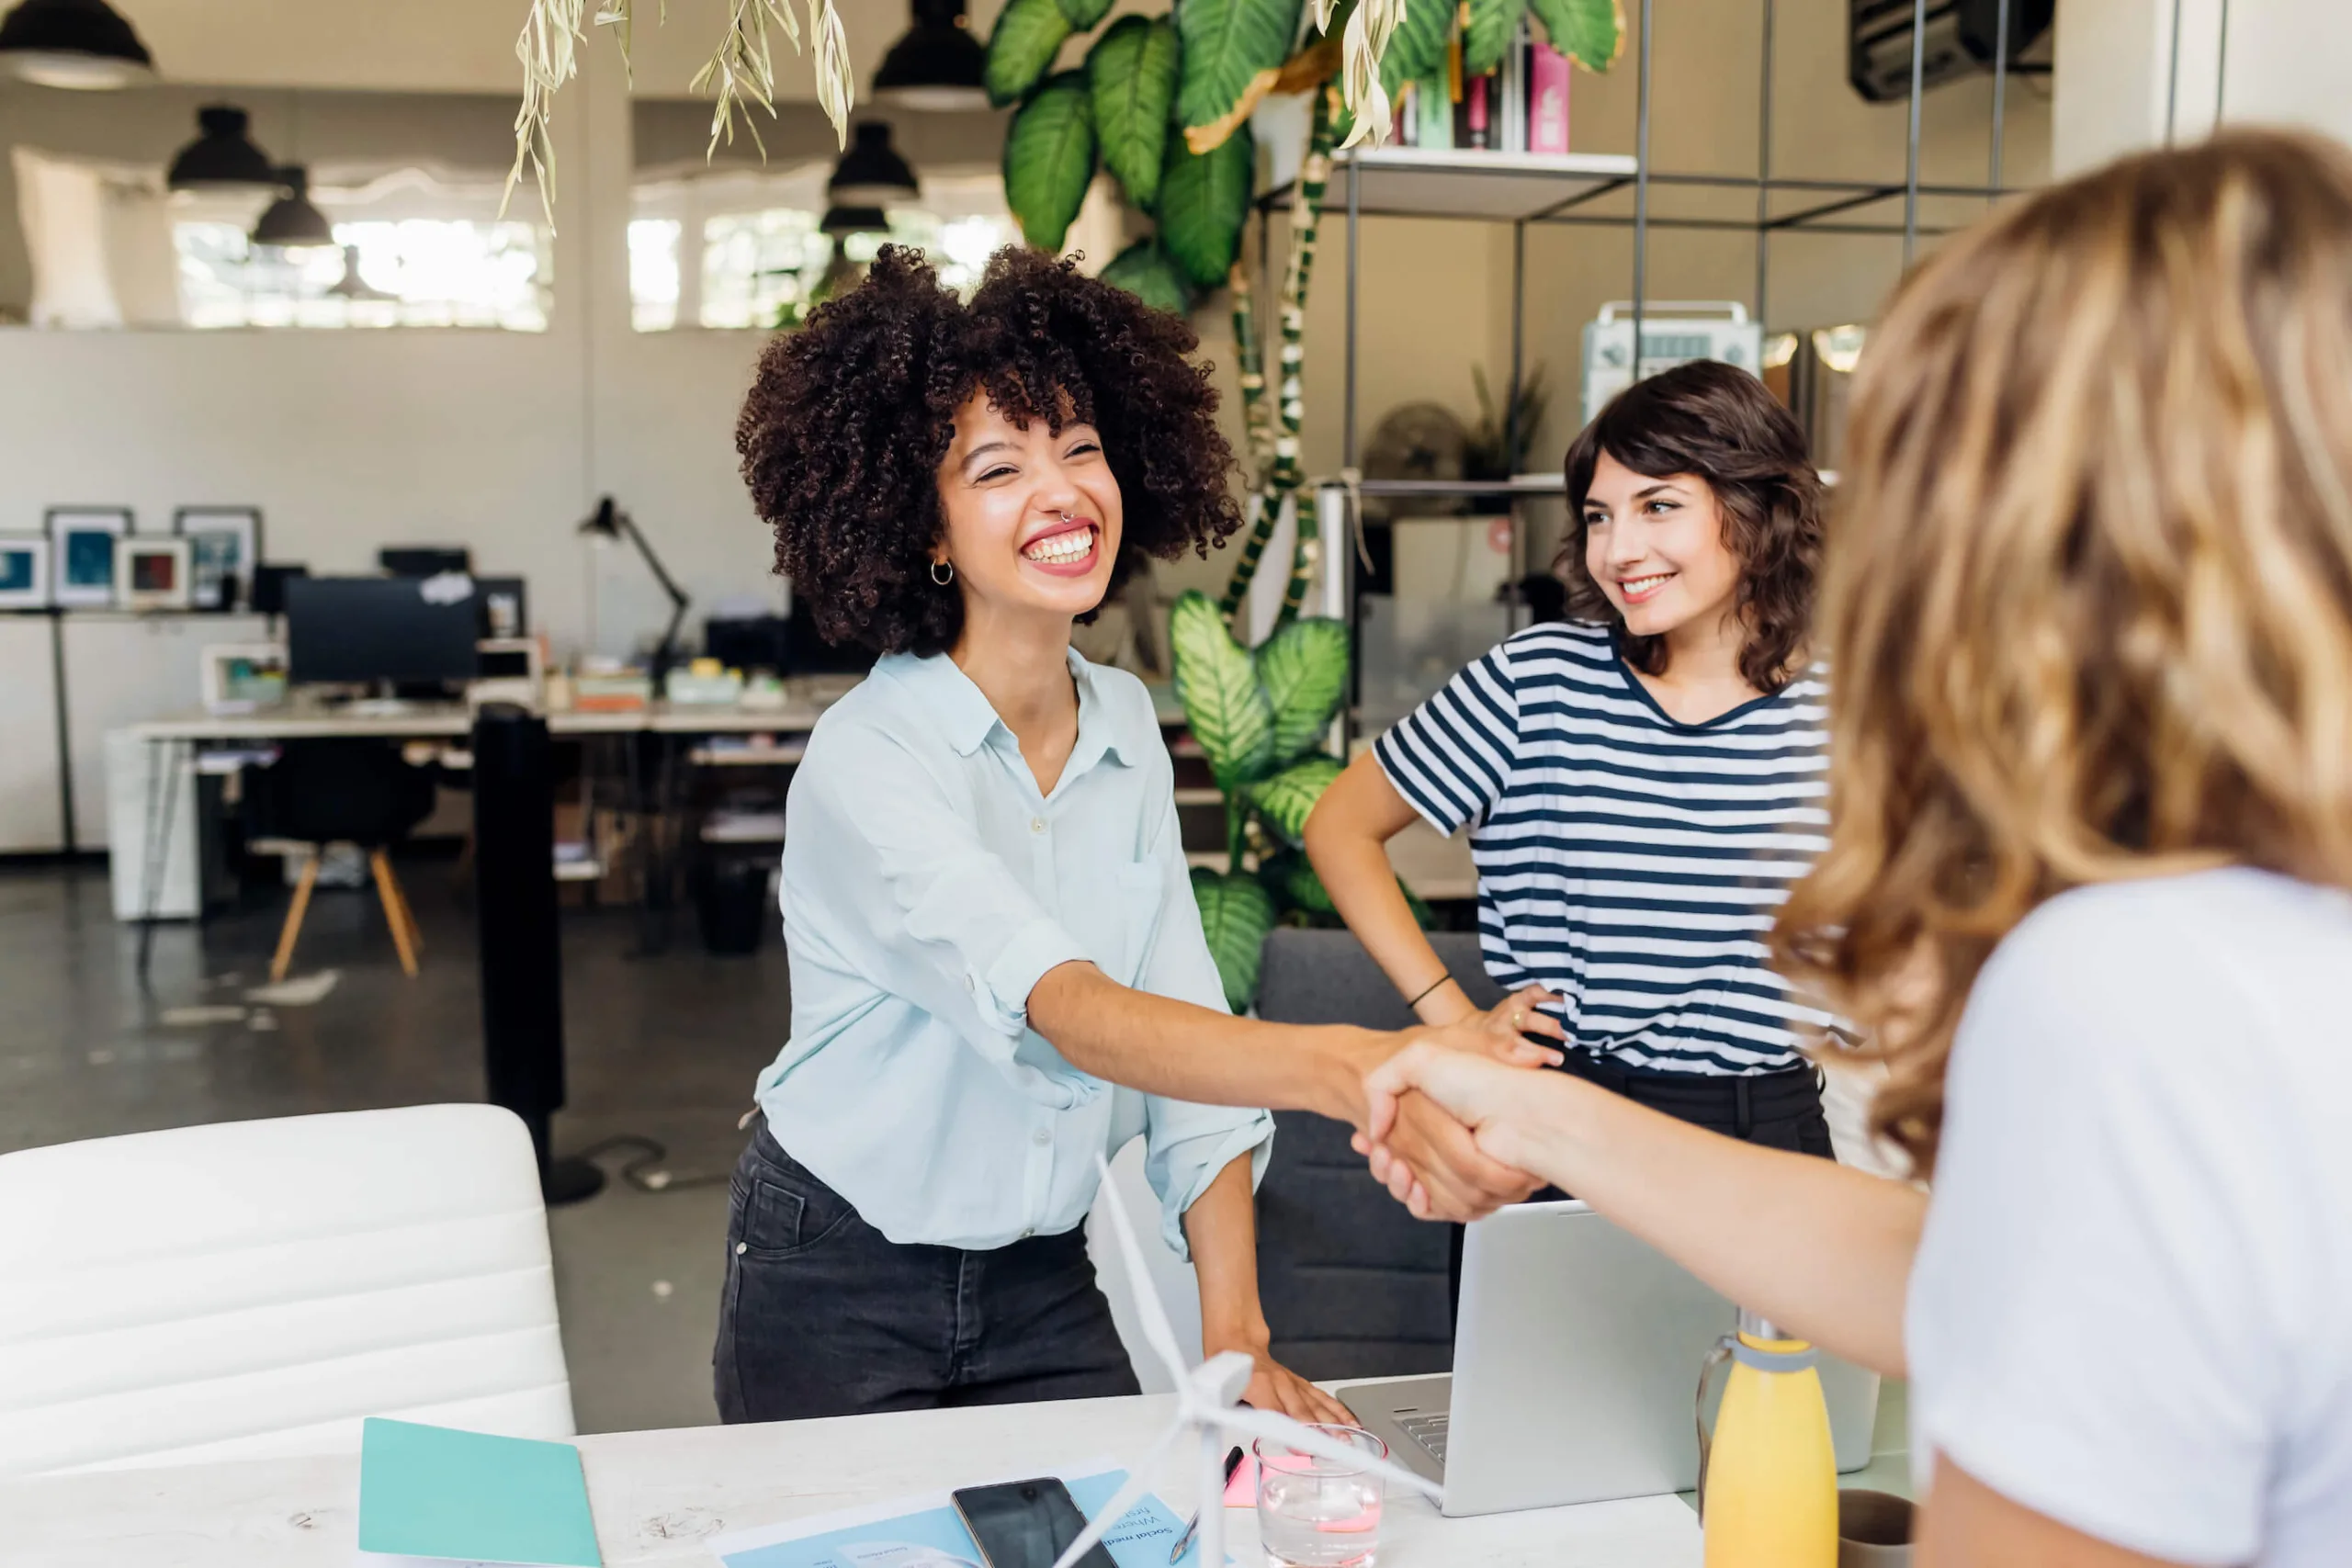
{"x": 658, "y": 1495}
{"x": 434, "y": 721}
{"x": 177, "y": 738}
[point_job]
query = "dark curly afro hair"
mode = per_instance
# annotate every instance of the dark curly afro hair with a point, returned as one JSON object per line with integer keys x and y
{"x": 850, "y": 417}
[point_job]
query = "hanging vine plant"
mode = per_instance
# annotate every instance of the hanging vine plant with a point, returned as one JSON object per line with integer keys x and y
{"x": 1163, "y": 104}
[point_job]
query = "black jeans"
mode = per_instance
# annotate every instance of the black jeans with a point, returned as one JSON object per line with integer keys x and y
{"x": 823, "y": 1315}
{"x": 1779, "y": 1111}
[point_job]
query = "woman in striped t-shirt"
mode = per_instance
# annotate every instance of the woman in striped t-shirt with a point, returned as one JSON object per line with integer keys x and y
{"x": 1642, "y": 786}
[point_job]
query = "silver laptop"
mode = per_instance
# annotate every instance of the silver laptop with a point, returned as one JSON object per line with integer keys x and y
{"x": 1576, "y": 1359}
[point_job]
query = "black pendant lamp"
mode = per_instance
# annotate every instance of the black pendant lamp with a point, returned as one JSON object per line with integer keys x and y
{"x": 936, "y": 66}
{"x": 82, "y": 44}
{"x": 291, "y": 222}
{"x": 354, "y": 288}
{"x": 222, "y": 155}
{"x": 871, "y": 174}
{"x": 841, "y": 222}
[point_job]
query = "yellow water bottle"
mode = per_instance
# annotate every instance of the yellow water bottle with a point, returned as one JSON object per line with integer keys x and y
{"x": 1768, "y": 1482}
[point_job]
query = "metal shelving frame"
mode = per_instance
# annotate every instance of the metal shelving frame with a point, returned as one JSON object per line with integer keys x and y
{"x": 1416, "y": 183}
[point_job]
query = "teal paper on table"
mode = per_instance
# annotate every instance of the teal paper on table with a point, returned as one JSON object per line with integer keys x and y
{"x": 436, "y": 1491}
{"x": 935, "y": 1536}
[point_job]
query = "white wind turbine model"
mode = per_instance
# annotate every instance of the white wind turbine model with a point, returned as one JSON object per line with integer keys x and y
{"x": 1208, "y": 1400}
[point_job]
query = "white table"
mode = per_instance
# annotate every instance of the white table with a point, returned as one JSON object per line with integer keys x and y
{"x": 658, "y": 1495}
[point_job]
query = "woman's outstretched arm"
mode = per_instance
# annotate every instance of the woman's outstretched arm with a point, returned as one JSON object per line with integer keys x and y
{"x": 1819, "y": 1247}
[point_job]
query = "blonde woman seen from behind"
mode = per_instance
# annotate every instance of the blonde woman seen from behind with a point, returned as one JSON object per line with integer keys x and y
{"x": 2088, "y": 617}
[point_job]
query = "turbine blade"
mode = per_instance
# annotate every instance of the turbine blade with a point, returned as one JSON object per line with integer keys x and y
{"x": 1298, "y": 1435}
{"x": 1138, "y": 1482}
{"x": 1156, "y": 1327}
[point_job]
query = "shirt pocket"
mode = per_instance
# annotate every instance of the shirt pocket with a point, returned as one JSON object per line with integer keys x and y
{"x": 1138, "y": 890}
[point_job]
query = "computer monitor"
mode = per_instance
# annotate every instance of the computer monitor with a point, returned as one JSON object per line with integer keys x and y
{"x": 356, "y": 629}
{"x": 749, "y": 642}
{"x": 270, "y": 578}
{"x": 812, "y": 654}
{"x": 424, "y": 561}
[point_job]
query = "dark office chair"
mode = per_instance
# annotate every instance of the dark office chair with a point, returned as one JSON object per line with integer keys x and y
{"x": 1353, "y": 1286}
{"x": 343, "y": 792}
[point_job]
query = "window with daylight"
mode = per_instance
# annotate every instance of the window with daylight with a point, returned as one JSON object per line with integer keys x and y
{"x": 408, "y": 272}
{"x": 738, "y": 250}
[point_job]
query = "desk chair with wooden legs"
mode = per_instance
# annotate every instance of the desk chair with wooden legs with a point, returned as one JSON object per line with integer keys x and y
{"x": 336, "y": 792}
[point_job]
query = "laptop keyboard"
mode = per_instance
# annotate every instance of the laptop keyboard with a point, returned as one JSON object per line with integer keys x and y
{"x": 1428, "y": 1431}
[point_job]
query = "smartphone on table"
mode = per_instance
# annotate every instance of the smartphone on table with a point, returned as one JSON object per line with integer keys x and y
{"x": 1025, "y": 1524}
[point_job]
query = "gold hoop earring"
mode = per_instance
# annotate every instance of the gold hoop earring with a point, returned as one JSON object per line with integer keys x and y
{"x": 946, "y": 566}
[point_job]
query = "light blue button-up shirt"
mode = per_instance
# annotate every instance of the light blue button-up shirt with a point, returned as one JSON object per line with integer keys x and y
{"x": 927, "y": 888}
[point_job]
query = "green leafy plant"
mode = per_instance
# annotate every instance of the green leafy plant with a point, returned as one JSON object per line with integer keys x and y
{"x": 1262, "y": 718}
{"x": 1497, "y": 445}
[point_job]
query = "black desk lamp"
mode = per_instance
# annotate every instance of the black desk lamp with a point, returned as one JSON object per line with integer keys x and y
{"x": 609, "y": 521}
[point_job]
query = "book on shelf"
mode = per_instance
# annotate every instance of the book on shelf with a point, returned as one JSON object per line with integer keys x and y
{"x": 1514, "y": 92}
{"x": 1434, "y": 114}
{"x": 1547, "y": 99}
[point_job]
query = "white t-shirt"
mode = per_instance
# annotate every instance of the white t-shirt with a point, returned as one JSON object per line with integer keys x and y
{"x": 2132, "y": 1306}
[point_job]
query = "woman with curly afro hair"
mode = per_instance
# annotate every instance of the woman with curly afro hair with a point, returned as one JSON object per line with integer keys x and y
{"x": 999, "y": 975}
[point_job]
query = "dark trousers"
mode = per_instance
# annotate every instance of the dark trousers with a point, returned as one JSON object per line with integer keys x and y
{"x": 823, "y": 1315}
{"x": 1778, "y": 1111}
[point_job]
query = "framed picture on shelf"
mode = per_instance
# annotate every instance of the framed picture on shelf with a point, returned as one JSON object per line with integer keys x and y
{"x": 150, "y": 574}
{"x": 82, "y": 544}
{"x": 24, "y": 571}
{"x": 242, "y": 677}
{"x": 224, "y": 546}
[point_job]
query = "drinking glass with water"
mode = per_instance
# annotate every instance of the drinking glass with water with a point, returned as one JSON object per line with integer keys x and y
{"x": 1316, "y": 1513}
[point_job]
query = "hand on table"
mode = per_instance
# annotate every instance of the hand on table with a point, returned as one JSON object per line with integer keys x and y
{"x": 1275, "y": 1387}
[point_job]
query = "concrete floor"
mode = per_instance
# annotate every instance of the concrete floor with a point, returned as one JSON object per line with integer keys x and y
{"x": 666, "y": 1046}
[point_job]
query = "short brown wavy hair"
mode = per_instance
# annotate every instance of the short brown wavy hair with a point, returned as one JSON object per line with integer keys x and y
{"x": 1719, "y": 424}
{"x": 850, "y": 416}
{"x": 2088, "y": 613}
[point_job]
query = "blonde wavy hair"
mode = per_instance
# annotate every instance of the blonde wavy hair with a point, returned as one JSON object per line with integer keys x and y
{"x": 2089, "y": 602}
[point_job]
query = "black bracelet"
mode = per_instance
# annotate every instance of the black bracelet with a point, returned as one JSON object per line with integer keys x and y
{"x": 1433, "y": 986}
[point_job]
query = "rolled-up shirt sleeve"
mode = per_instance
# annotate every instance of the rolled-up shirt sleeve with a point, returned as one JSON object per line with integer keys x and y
{"x": 898, "y": 882}
{"x": 1186, "y": 1145}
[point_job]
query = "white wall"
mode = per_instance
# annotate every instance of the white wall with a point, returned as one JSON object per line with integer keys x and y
{"x": 2123, "y": 85}
{"x": 498, "y": 441}
{"x": 502, "y": 441}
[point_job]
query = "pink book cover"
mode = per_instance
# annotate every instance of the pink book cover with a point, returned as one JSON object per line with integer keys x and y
{"x": 1547, "y": 101}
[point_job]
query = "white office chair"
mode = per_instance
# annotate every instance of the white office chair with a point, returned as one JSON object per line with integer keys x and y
{"x": 255, "y": 1289}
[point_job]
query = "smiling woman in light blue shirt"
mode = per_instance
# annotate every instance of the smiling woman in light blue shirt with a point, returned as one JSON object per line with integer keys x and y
{"x": 928, "y": 886}
{"x": 985, "y": 896}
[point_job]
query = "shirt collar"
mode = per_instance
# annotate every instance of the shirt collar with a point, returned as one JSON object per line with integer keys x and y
{"x": 968, "y": 721}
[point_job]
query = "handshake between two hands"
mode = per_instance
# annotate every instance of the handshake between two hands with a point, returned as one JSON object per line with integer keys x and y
{"x": 1444, "y": 1124}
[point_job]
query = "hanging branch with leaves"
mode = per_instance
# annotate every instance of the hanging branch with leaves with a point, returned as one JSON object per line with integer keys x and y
{"x": 739, "y": 74}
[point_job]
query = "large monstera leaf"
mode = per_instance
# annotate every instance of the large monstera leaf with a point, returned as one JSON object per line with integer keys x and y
{"x": 1304, "y": 669}
{"x": 1283, "y": 802}
{"x": 1416, "y": 49}
{"x": 1145, "y": 271}
{"x": 1590, "y": 32}
{"x": 1233, "y": 50}
{"x": 1225, "y": 706}
{"x": 1488, "y": 36}
{"x": 1203, "y": 202}
{"x": 1021, "y": 49}
{"x": 1236, "y": 913}
{"x": 1049, "y": 160}
{"x": 1131, "y": 71}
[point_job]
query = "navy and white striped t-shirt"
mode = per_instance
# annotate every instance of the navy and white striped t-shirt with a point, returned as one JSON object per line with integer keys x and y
{"x": 1630, "y": 862}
